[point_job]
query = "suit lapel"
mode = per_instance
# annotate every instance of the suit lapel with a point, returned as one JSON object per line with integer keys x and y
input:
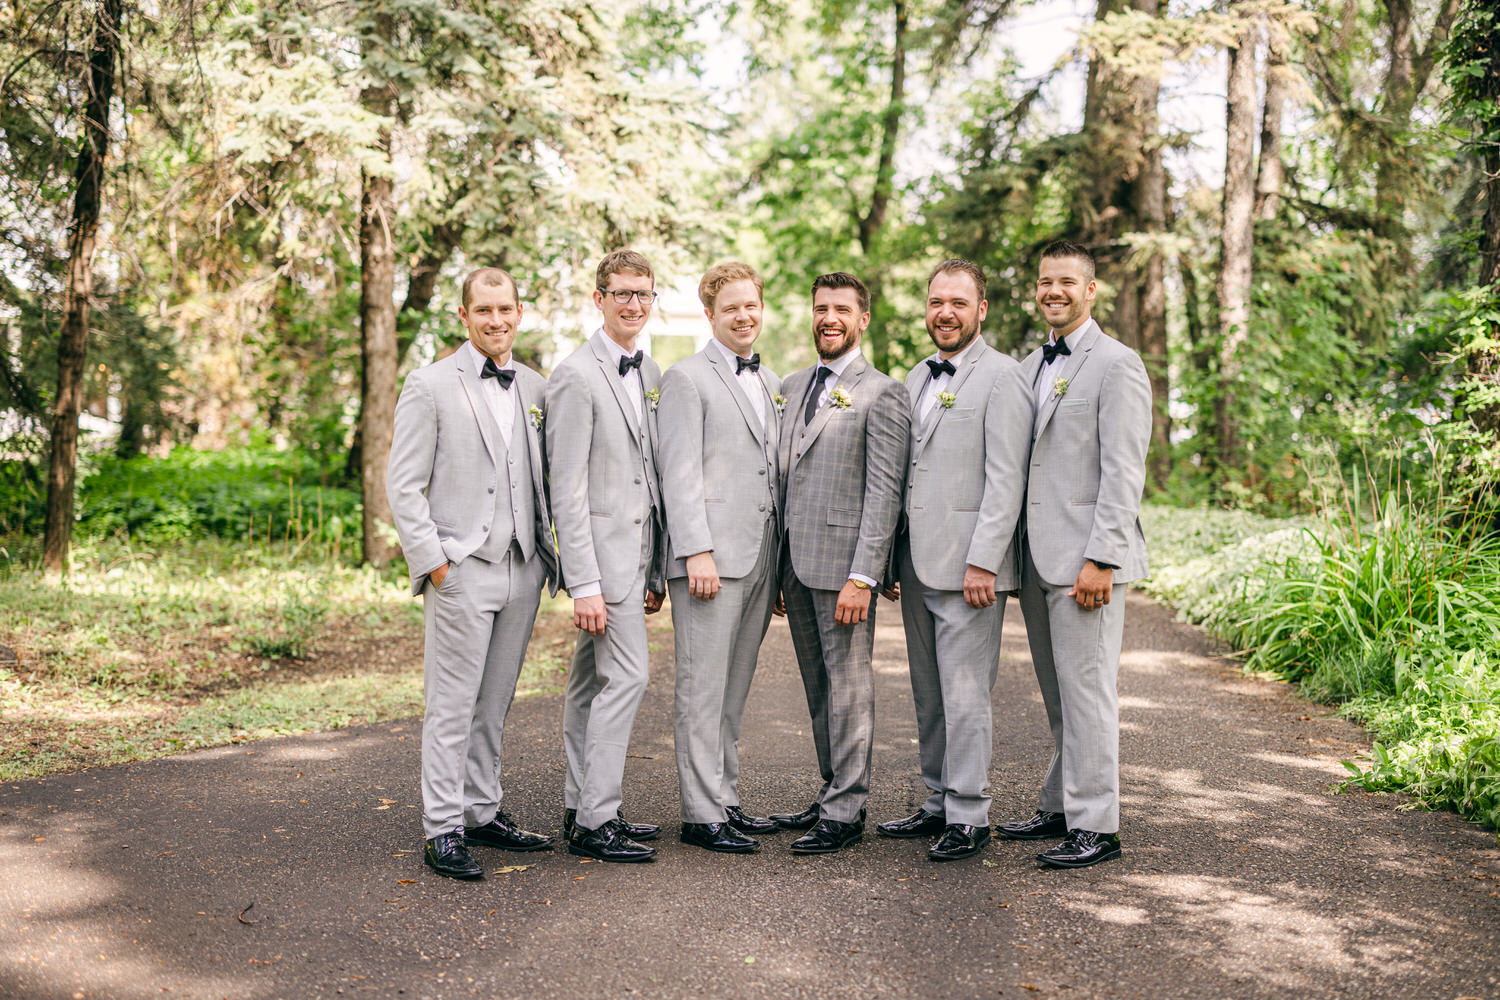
{"x": 956, "y": 383}
{"x": 850, "y": 381}
{"x": 732, "y": 383}
{"x": 1090, "y": 335}
{"x": 468, "y": 379}
{"x": 611, "y": 369}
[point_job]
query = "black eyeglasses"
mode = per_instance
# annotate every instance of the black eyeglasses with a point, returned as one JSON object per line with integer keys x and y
{"x": 624, "y": 295}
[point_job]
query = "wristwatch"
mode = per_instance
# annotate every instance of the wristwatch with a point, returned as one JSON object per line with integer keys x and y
{"x": 859, "y": 584}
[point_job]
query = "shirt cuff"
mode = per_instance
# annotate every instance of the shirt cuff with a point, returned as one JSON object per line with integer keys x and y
{"x": 591, "y": 589}
{"x": 864, "y": 579}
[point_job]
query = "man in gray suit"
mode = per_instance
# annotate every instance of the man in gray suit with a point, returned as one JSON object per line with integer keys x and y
{"x": 465, "y": 485}
{"x": 970, "y": 428}
{"x": 843, "y": 458}
{"x": 606, "y": 502}
{"x": 719, "y": 421}
{"x": 1082, "y": 544}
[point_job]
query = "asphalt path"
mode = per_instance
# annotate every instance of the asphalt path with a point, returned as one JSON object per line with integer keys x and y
{"x": 292, "y": 867}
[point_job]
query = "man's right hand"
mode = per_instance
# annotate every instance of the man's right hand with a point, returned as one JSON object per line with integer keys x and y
{"x": 589, "y": 614}
{"x": 703, "y": 576}
{"x": 440, "y": 574}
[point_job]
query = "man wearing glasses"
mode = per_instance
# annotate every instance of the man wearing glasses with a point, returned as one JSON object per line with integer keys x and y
{"x": 600, "y": 427}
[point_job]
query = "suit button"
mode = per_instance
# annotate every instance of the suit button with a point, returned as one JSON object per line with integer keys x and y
{"x": 762, "y": 472}
{"x": 637, "y": 520}
{"x": 638, "y": 480}
{"x": 484, "y": 527}
{"x": 492, "y": 489}
{"x": 762, "y": 506}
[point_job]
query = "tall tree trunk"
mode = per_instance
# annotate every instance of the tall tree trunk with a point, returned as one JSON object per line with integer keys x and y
{"x": 377, "y": 319}
{"x": 872, "y": 223}
{"x": 1270, "y": 170}
{"x": 72, "y": 345}
{"x": 1479, "y": 42}
{"x": 1236, "y": 241}
{"x": 1149, "y": 208}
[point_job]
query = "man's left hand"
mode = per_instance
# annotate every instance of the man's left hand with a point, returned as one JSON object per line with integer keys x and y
{"x": 653, "y": 601}
{"x": 854, "y": 604}
{"x": 979, "y": 587}
{"x": 1092, "y": 588}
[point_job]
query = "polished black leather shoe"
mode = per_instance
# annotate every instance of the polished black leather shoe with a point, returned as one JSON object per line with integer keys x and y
{"x": 506, "y": 834}
{"x": 1081, "y": 849}
{"x": 447, "y": 855}
{"x": 960, "y": 841}
{"x": 635, "y": 831}
{"x": 608, "y": 843}
{"x": 1041, "y": 826}
{"x": 720, "y": 837}
{"x": 919, "y": 824}
{"x": 750, "y": 826}
{"x": 827, "y": 836}
{"x": 796, "y": 821}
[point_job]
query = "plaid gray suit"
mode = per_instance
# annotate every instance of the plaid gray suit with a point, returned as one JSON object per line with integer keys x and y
{"x": 842, "y": 476}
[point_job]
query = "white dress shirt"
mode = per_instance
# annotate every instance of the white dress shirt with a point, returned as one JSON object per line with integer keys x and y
{"x": 1046, "y": 383}
{"x": 750, "y": 383}
{"x": 500, "y": 400}
{"x": 837, "y": 366}
{"x": 935, "y": 386}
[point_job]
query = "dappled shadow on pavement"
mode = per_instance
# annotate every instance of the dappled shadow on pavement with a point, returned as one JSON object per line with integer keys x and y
{"x": 1243, "y": 875}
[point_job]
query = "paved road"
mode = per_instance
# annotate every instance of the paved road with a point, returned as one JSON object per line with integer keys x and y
{"x": 1243, "y": 875}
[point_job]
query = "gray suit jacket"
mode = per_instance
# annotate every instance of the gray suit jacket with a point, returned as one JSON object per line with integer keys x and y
{"x": 444, "y": 467}
{"x": 1088, "y": 461}
{"x": 842, "y": 476}
{"x": 601, "y": 465}
{"x": 718, "y": 464}
{"x": 967, "y": 476}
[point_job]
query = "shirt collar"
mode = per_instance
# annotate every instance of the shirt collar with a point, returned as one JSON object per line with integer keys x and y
{"x": 839, "y": 364}
{"x": 477, "y": 360}
{"x": 958, "y": 359}
{"x": 615, "y": 349}
{"x": 1077, "y": 334}
{"x": 725, "y": 352}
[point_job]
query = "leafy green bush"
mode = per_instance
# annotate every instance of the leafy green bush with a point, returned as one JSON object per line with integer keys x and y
{"x": 1397, "y": 619}
{"x": 252, "y": 493}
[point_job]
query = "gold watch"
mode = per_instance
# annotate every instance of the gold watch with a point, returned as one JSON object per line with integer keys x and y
{"x": 860, "y": 584}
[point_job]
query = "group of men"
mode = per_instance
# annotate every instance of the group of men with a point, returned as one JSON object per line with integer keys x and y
{"x": 743, "y": 496}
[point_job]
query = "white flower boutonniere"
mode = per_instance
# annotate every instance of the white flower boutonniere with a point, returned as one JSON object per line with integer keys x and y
{"x": 653, "y": 396}
{"x": 839, "y": 398}
{"x": 780, "y": 401}
{"x": 535, "y": 413}
{"x": 1059, "y": 387}
{"x": 947, "y": 399}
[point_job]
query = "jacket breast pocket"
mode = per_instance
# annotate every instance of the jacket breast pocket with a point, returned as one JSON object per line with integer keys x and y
{"x": 843, "y": 517}
{"x": 600, "y": 513}
{"x": 959, "y": 413}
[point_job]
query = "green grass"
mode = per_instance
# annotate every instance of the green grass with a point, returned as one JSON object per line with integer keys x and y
{"x": 1396, "y": 618}
{"x": 144, "y": 653}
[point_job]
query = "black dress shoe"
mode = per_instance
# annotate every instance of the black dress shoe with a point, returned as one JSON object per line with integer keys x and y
{"x": 827, "y": 836}
{"x": 919, "y": 824}
{"x": 796, "y": 821}
{"x": 506, "y": 834}
{"x": 447, "y": 855}
{"x": 960, "y": 841}
{"x": 719, "y": 837}
{"x": 608, "y": 843}
{"x": 1041, "y": 826}
{"x": 1081, "y": 849}
{"x": 750, "y": 825}
{"x": 635, "y": 831}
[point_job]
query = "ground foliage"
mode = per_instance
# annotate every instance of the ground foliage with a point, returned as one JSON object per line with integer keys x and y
{"x": 1394, "y": 615}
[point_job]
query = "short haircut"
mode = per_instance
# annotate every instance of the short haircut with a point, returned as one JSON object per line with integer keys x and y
{"x": 722, "y": 274}
{"x": 957, "y": 265}
{"x": 843, "y": 279}
{"x": 490, "y": 277}
{"x": 1067, "y": 248}
{"x": 622, "y": 262}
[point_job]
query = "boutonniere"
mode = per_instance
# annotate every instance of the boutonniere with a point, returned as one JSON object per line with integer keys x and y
{"x": 839, "y": 397}
{"x": 653, "y": 396}
{"x": 780, "y": 402}
{"x": 947, "y": 399}
{"x": 535, "y": 413}
{"x": 1059, "y": 387}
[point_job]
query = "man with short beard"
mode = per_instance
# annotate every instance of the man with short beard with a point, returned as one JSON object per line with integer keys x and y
{"x": 719, "y": 421}
{"x": 970, "y": 419}
{"x": 843, "y": 457}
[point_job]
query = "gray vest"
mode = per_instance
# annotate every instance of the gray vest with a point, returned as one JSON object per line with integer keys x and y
{"x": 514, "y": 517}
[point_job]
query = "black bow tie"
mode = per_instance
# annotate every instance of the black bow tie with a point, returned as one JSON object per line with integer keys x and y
{"x": 752, "y": 363}
{"x": 630, "y": 361}
{"x": 1050, "y": 351}
{"x": 938, "y": 367}
{"x": 492, "y": 370}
